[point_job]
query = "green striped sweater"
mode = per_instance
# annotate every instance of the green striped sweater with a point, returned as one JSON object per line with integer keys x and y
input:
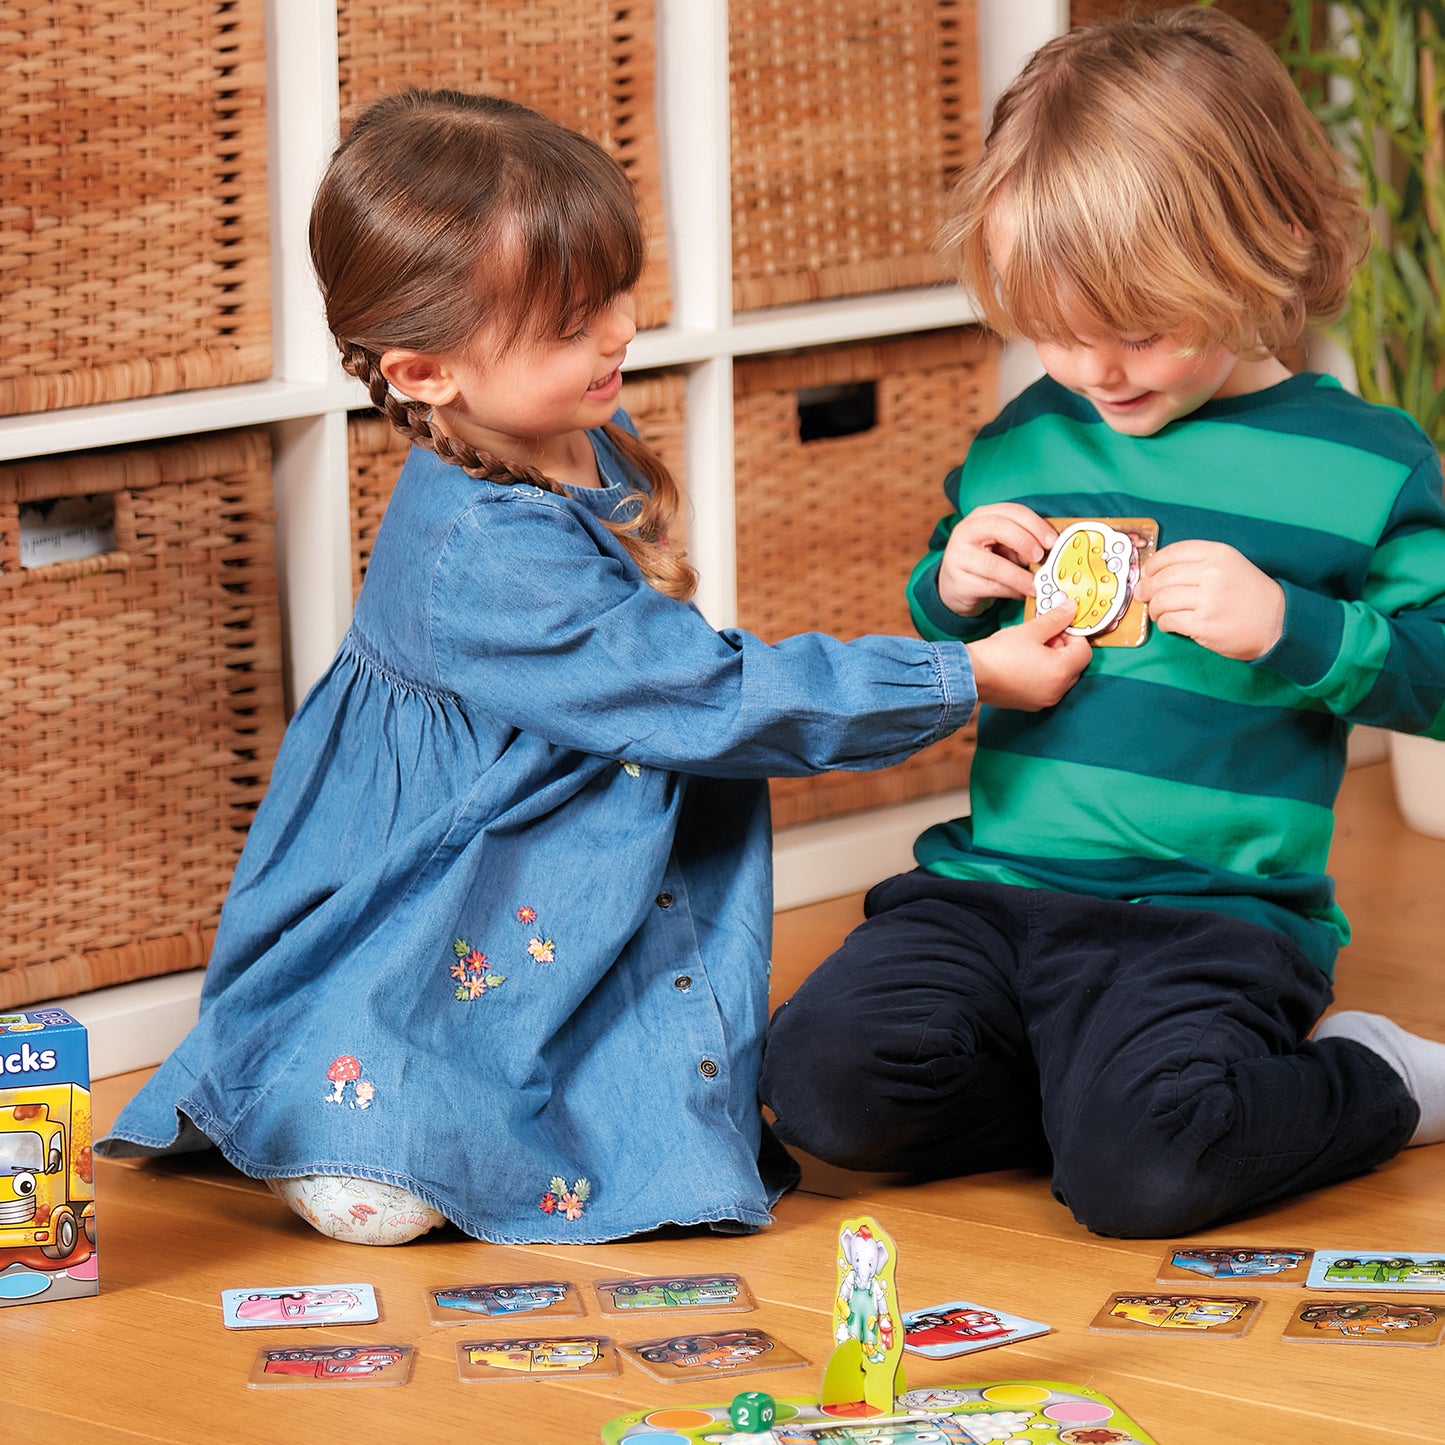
{"x": 1169, "y": 774}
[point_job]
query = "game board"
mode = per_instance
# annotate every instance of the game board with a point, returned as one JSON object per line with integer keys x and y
{"x": 981, "y": 1414}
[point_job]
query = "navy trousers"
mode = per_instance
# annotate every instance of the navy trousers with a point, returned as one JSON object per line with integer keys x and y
{"x": 1156, "y": 1059}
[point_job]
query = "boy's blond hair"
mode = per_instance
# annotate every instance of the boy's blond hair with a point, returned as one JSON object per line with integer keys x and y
{"x": 1158, "y": 174}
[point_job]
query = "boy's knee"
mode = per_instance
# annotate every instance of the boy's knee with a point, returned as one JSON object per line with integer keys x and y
{"x": 818, "y": 1092}
{"x": 1133, "y": 1197}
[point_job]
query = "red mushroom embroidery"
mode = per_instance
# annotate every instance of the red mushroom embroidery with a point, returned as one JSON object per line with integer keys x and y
{"x": 343, "y": 1071}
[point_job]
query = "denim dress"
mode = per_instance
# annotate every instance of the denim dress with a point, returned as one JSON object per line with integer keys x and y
{"x": 500, "y": 931}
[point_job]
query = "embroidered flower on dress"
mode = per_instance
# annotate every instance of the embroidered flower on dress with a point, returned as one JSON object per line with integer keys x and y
{"x": 473, "y": 973}
{"x": 542, "y": 950}
{"x": 570, "y": 1201}
{"x": 632, "y": 770}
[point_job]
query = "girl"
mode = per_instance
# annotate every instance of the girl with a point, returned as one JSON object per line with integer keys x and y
{"x": 497, "y": 948}
{"x": 1113, "y": 966}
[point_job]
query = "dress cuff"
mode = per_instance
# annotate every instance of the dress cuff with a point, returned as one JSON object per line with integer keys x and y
{"x": 960, "y": 692}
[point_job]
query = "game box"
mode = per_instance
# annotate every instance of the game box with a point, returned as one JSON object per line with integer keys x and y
{"x": 47, "y": 1177}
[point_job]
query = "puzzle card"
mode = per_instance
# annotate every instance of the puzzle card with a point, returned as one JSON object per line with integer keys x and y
{"x": 708, "y": 1356}
{"x": 959, "y": 1328}
{"x": 461, "y": 1304}
{"x": 1094, "y": 566}
{"x": 1377, "y": 1270}
{"x": 1177, "y": 1314}
{"x": 299, "y": 1304}
{"x": 1367, "y": 1322}
{"x": 527, "y": 1357}
{"x": 1229, "y": 1262}
{"x": 283, "y": 1366}
{"x": 657, "y": 1294}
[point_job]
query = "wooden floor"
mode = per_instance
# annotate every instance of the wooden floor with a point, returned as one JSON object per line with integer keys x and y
{"x": 148, "y": 1360}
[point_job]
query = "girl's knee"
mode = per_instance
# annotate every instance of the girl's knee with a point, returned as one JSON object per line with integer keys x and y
{"x": 357, "y": 1211}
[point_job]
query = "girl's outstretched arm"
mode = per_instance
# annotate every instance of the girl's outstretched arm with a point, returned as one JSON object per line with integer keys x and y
{"x": 534, "y": 619}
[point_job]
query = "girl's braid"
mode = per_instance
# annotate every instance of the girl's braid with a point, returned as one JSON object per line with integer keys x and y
{"x": 643, "y": 536}
{"x": 413, "y": 420}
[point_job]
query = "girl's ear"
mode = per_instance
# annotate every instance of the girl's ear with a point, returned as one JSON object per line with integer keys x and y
{"x": 419, "y": 376}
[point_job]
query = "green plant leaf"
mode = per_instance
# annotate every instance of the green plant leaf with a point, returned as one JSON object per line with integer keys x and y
{"x": 1363, "y": 80}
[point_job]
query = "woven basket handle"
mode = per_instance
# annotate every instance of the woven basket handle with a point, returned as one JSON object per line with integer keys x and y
{"x": 119, "y": 559}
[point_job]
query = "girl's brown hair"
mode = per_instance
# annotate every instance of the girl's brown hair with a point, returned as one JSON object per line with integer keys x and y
{"x": 442, "y": 213}
{"x": 1157, "y": 175}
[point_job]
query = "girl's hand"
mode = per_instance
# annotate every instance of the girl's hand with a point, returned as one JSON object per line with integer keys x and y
{"x": 1214, "y": 594}
{"x": 988, "y": 556}
{"x": 1030, "y": 666}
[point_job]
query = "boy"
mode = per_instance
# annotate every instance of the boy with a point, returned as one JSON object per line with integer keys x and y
{"x": 1114, "y": 964}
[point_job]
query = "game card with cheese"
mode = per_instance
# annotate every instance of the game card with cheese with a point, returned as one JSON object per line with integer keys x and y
{"x": 1094, "y": 566}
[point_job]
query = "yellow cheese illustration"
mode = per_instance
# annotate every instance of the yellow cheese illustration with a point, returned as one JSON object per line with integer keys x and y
{"x": 1083, "y": 574}
{"x": 1089, "y": 566}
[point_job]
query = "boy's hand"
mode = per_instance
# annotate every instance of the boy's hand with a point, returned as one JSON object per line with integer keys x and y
{"x": 988, "y": 556}
{"x": 1216, "y": 595}
{"x": 1030, "y": 666}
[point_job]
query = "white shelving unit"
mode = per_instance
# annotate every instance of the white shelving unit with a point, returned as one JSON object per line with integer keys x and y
{"x": 305, "y": 405}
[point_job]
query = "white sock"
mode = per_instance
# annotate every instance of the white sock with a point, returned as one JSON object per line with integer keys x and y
{"x": 1419, "y": 1062}
{"x": 359, "y": 1211}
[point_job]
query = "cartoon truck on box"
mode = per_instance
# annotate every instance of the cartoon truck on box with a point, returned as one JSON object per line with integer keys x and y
{"x": 47, "y": 1181}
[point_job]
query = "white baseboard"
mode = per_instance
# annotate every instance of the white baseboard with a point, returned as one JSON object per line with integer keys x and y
{"x": 135, "y": 1025}
{"x": 845, "y": 855}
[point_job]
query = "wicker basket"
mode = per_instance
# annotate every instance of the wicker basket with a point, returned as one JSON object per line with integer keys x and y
{"x": 848, "y": 123}
{"x": 587, "y": 63}
{"x": 1265, "y": 17}
{"x": 140, "y": 709}
{"x": 829, "y": 529}
{"x": 654, "y": 400}
{"x": 133, "y": 223}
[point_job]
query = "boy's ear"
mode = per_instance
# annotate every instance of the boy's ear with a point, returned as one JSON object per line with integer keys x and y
{"x": 419, "y": 375}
